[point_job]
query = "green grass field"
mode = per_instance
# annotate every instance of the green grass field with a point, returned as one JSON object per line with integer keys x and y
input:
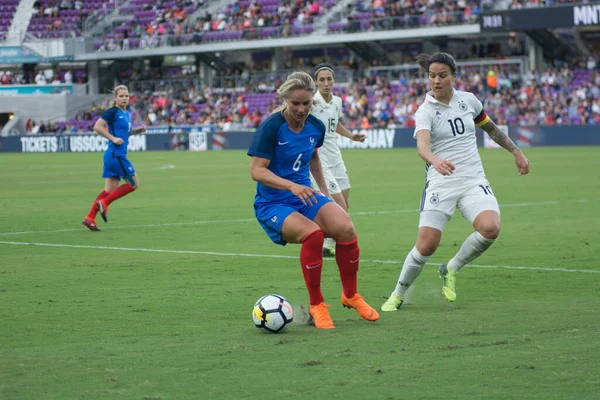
{"x": 158, "y": 305}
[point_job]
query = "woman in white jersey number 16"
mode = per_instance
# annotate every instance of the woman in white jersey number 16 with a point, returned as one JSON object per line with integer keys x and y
{"x": 328, "y": 108}
{"x": 445, "y": 133}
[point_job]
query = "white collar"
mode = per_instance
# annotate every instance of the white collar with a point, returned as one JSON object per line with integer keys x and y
{"x": 429, "y": 97}
{"x": 319, "y": 97}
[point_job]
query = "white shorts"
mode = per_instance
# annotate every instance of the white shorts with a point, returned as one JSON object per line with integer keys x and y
{"x": 440, "y": 200}
{"x": 336, "y": 179}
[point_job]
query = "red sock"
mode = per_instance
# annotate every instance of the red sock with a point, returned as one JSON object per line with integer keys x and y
{"x": 311, "y": 261}
{"x": 94, "y": 209}
{"x": 119, "y": 192}
{"x": 347, "y": 255}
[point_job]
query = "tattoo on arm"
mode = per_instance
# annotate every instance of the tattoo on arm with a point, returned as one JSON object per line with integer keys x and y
{"x": 498, "y": 136}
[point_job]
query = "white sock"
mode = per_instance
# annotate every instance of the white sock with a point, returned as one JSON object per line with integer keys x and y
{"x": 413, "y": 265}
{"x": 329, "y": 243}
{"x": 473, "y": 247}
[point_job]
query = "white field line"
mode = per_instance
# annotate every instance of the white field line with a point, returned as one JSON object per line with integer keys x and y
{"x": 219, "y": 254}
{"x": 229, "y": 221}
{"x": 218, "y": 221}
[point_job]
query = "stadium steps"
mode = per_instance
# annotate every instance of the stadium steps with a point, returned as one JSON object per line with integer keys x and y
{"x": 97, "y": 24}
{"x": 212, "y": 7}
{"x": 333, "y": 15}
{"x": 20, "y": 22}
{"x": 552, "y": 45}
{"x": 501, "y": 4}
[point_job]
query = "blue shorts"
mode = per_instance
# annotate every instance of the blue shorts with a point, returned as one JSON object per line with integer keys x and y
{"x": 271, "y": 216}
{"x": 118, "y": 167}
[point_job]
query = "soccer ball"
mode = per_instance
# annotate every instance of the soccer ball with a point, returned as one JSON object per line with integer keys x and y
{"x": 272, "y": 313}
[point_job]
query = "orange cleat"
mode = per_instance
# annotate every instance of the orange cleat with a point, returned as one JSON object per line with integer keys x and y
{"x": 364, "y": 310}
{"x": 103, "y": 209}
{"x": 90, "y": 224}
{"x": 320, "y": 316}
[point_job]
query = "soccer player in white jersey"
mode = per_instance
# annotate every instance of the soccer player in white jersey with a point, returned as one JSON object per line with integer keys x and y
{"x": 328, "y": 109}
{"x": 445, "y": 133}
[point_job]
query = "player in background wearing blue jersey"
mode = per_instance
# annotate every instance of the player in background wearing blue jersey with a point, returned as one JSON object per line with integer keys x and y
{"x": 115, "y": 125}
{"x": 283, "y": 152}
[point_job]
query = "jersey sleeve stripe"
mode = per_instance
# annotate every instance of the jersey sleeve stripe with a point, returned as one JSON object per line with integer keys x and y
{"x": 482, "y": 118}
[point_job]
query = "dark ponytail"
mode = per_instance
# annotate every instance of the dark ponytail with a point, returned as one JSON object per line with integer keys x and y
{"x": 425, "y": 60}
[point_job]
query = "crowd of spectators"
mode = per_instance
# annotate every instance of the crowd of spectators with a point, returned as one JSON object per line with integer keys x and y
{"x": 169, "y": 22}
{"x": 256, "y": 14}
{"x": 517, "y": 4}
{"x": 42, "y": 77}
{"x": 556, "y": 96}
{"x": 256, "y": 19}
{"x": 384, "y": 14}
{"x": 52, "y": 19}
{"x": 247, "y": 19}
{"x": 153, "y": 24}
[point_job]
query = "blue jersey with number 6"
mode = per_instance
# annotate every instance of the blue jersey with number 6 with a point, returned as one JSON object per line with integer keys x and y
{"x": 119, "y": 125}
{"x": 289, "y": 152}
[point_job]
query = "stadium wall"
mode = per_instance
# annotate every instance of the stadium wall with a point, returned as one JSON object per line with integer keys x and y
{"x": 182, "y": 138}
{"x": 44, "y": 107}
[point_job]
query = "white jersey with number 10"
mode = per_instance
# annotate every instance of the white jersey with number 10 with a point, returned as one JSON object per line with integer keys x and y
{"x": 452, "y": 128}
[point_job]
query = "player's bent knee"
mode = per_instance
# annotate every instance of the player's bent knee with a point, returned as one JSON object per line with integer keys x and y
{"x": 490, "y": 230}
{"x": 426, "y": 246}
{"x": 427, "y": 249}
{"x": 428, "y": 240}
{"x": 345, "y": 233}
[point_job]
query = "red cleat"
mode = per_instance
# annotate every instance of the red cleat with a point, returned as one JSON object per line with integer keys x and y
{"x": 90, "y": 224}
{"x": 103, "y": 209}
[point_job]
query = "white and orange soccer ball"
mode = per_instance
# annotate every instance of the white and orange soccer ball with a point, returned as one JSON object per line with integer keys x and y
{"x": 272, "y": 313}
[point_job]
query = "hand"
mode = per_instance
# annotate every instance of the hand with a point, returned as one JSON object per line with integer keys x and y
{"x": 522, "y": 163}
{"x": 142, "y": 129}
{"x": 118, "y": 141}
{"x": 306, "y": 194}
{"x": 359, "y": 137}
{"x": 444, "y": 167}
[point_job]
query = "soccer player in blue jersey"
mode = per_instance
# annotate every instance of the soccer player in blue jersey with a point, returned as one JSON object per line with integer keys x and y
{"x": 115, "y": 125}
{"x": 284, "y": 151}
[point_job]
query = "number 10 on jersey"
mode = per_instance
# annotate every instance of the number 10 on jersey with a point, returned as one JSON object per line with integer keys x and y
{"x": 458, "y": 127}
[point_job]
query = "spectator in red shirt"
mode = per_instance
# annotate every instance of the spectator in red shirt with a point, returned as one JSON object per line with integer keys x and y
{"x": 315, "y": 8}
{"x": 179, "y": 14}
{"x": 5, "y": 80}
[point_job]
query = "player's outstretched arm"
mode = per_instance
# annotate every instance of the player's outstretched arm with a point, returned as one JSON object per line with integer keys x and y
{"x": 138, "y": 130}
{"x": 444, "y": 167}
{"x": 101, "y": 128}
{"x": 503, "y": 140}
{"x": 356, "y": 137}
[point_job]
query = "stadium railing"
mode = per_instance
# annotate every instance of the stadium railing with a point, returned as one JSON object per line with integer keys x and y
{"x": 366, "y": 21}
{"x": 342, "y": 76}
{"x": 395, "y": 72}
{"x": 360, "y": 23}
